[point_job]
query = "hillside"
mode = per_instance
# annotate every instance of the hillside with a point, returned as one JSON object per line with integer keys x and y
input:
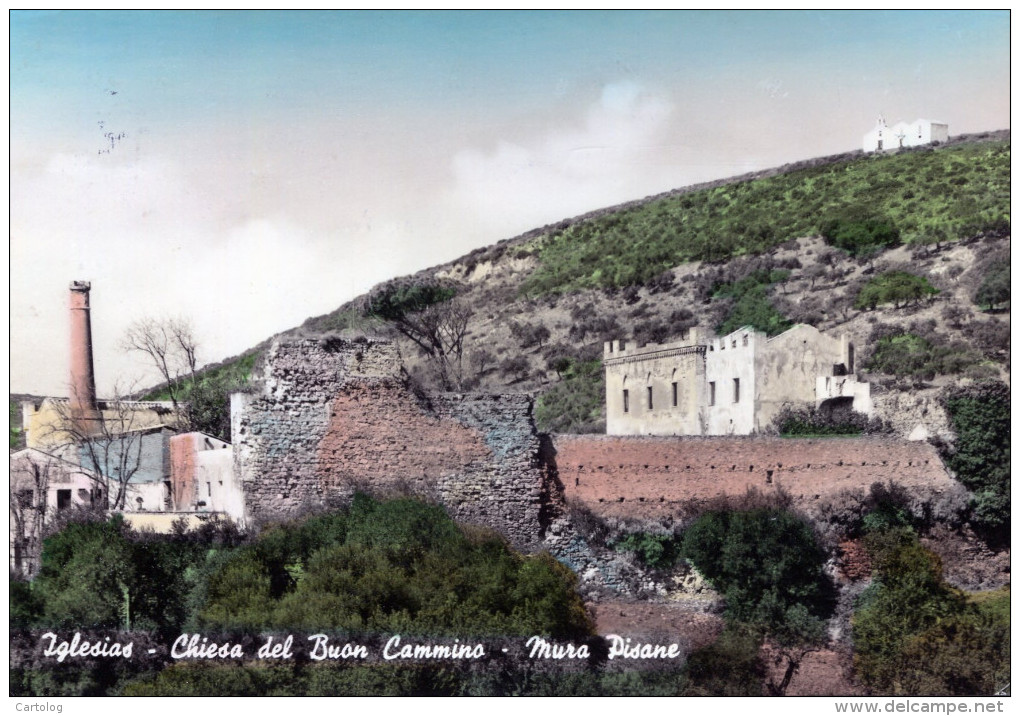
{"x": 747, "y": 250}
{"x": 743, "y": 251}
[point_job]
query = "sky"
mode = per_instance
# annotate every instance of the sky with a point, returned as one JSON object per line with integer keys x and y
{"x": 247, "y": 170}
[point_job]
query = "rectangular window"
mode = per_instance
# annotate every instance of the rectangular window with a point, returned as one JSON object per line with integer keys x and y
{"x": 649, "y": 397}
{"x": 711, "y": 393}
{"x": 63, "y": 499}
{"x": 674, "y": 395}
{"x": 208, "y": 489}
{"x": 736, "y": 390}
{"x": 626, "y": 401}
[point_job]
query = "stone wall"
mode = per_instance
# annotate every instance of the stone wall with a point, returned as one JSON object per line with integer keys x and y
{"x": 915, "y": 415}
{"x": 337, "y": 415}
{"x": 651, "y": 476}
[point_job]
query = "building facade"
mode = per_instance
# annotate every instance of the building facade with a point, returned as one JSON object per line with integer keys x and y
{"x": 903, "y": 134}
{"x": 124, "y": 456}
{"x": 730, "y": 385}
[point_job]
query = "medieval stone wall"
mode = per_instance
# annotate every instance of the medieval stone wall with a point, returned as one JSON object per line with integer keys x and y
{"x": 338, "y": 415}
{"x": 335, "y": 416}
{"x": 651, "y": 476}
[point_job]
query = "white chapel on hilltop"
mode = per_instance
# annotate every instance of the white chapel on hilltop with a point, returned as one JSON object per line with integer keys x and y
{"x": 904, "y": 134}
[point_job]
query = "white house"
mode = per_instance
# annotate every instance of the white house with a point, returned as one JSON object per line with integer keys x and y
{"x": 904, "y": 134}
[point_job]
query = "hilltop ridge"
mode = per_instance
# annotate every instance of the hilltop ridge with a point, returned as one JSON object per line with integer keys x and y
{"x": 542, "y": 302}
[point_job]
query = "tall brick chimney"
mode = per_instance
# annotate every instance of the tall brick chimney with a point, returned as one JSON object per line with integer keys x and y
{"x": 84, "y": 408}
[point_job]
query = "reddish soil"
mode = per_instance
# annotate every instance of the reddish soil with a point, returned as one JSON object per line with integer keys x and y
{"x": 673, "y": 622}
{"x": 821, "y": 673}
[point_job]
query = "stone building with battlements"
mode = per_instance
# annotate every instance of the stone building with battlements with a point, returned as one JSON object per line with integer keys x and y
{"x": 729, "y": 385}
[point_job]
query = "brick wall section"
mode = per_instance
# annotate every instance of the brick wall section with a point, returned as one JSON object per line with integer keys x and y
{"x": 648, "y": 476}
{"x": 336, "y": 415}
{"x": 182, "y": 471}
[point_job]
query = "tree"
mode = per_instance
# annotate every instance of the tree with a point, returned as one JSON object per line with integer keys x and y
{"x": 980, "y": 457}
{"x": 88, "y": 576}
{"x": 791, "y": 597}
{"x": 29, "y": 486}
{"x": 907, "y": 597}
{"x": 426, "y": 313}
{"x": 897, "y": 287}
{"x": 860, "y": 233}
{"x": 994, "y": 288}
{"x": 171, "y": 346}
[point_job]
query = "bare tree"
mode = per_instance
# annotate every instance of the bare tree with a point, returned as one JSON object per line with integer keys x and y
{"x": 428, "y": 314}
{"x": 439, "y": 332}
{"x": 109, "y": 449}
{"x": 171, "y": 346}
{"x": 29, "y": 487}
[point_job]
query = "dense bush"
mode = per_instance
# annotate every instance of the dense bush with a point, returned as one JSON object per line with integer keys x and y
{"x": 400, "y": 566}
{"x": 991, "y": 337}
{"x": 916, "y": 357}
{"x": 964, "y": 654}
{"x": 980, "y": 416}
{"x": 517, "y": 679}
{"x": 841, "y": 420}
{"x": 994, "y": 288}
{"x": 658, "y": 551}
{"x": 731, "y": 666}
{"x": 751, "y": 305}
{"x": 860, "y": 232}
{"x": 899, "y": 288}
{"x": 101, "y": 575}
{"x": 575, "y": 404}
{"x": 914, "y": 634}
{"x": 907, "y": 597}
{"x": 792, "y": 597}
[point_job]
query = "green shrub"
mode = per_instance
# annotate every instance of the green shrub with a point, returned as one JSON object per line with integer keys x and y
{"x": 399, "y": 566}
{"x": 87, "y": 577}
{"x": 859, "y": 232}
{"x": 575, "y": 404}
{"x": 910, "y": 355}
{"x": 965, "y": 655}
{"x": 730, "y": 666}
{"x": 26, "y": 605}
{"x": 914, "y": 634}
{"x": 659, "y": 551}
{"x": 896, "y": 287}
{"x": 751, "y": 305}
{"x": 841, "y": 420}
{"x": 994, "y": 288}
{"x": 791, "y": 597}
{"x": 980, "y": 416}
{"x": 635, "y": 245}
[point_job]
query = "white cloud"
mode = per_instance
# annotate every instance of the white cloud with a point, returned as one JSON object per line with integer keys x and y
{"x": 615, "y": 147}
